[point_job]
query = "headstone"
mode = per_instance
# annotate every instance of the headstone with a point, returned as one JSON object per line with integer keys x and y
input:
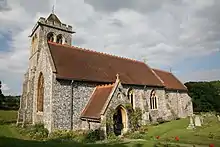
{"x": 191, "y": 124}
{"x": 218, "y": 117}
{"x": 202, "y": 120}
{"x": 197, "y": 121}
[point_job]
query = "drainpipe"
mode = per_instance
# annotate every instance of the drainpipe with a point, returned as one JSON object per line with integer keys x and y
{"x": 71, "y": 106}
{"x": 88, "y": 123}
{"x": 177, "y": 102}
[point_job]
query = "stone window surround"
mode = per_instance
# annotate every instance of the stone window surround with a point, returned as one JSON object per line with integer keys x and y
{"x": 40, "y": 93}
{"x": 153, "y": 100}
{"x": 51, "y": 36}
{"x": 130, "y": 93}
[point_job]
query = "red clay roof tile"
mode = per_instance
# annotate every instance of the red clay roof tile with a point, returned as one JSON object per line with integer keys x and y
{"x": 97, "y": 102}
{"x": 170, "y": 81}
{"x": 81, "y": 64}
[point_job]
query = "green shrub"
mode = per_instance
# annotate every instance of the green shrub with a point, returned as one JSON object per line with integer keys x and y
{"x": 111, "y": 136}
{"x": 160, "y": 120}
{"x": 36, "y": 132}
{"x": 78, "y": 136}
{"x": 134, "y": 135}
{"x": 143, "y": 129}
{"x": 92, "y": 136}
{"x": 211, "y": 135}
{"x": 62, "y": 135}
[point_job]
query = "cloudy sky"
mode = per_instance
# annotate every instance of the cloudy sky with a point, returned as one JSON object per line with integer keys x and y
{"x": 183, "y": 35}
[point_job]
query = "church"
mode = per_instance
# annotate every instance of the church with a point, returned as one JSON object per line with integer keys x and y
{"x": 72, "y": 88}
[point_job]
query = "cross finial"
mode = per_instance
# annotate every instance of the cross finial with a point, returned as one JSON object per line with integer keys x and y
{"x": 117, "y": 76}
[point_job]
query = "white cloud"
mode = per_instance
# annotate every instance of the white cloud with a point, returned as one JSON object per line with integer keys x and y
{"x": 162, "y": 32}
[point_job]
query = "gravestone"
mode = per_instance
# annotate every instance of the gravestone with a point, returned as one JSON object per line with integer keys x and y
{"x": 218, "y": 117}
{"x": 202, "y": 119}
{"x": 191, "y": 124}
{"x": 197, "y": 121}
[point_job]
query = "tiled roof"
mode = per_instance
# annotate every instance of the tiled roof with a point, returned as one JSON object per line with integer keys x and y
{"x": 169, "y": 80}
{"x": 86, "y": 65}
{"x": 97, "y": 102}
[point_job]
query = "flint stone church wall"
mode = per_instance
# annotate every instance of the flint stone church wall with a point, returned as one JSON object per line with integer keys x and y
{"x": 62, "y": 103}
{"x": 61, "y": 109}
{"x": 179, "y": 104}
{"x": 43, "y": 67}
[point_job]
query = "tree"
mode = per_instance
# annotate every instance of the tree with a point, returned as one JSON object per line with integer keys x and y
{"x": 205, "y": 95}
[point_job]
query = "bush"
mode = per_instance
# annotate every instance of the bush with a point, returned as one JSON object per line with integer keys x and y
{"x": 134, "y": 135}
{"x": 61, "y": 135}
{"x": 92, "y": 136}
{"x": 211, "y": 135}
{"x": 160, "y": 120}
{"x": 143, "y": 129}
{"x": 78, "y": 136}
{"x": 36, "y": 132}
{"x": 111, "y": 136}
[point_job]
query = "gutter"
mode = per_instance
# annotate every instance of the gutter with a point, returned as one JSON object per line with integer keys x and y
{"x": 71, "y": 106}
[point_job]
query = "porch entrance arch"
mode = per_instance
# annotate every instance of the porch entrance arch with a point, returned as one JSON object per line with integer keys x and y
{"x": 120, "y": 120}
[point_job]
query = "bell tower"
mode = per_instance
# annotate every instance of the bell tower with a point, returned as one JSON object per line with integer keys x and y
{"x": 48, "y": 29}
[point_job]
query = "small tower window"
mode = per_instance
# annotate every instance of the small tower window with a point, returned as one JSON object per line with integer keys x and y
{"x": 59, "y": 39}
{"x": 34, "y": 44}
{"x": 50, "y": 37}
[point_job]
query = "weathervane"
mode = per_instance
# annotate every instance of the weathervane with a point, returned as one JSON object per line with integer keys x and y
{"x": 53, "y": 8}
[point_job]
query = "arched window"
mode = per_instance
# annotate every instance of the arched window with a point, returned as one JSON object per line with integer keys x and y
{"x": 34, "y": 43}
{"x": 153, "y": 100}
{"x": 50, "y": 37}
{"x": 131, "y": 96}
{"x": 40, "y": 93}
{"x": 59, "y": 39}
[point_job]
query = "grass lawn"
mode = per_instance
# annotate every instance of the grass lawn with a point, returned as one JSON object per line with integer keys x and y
{"x": 208, "y": 133}
{"x": 10, "y": 137}
{"x": 7, "y": 116}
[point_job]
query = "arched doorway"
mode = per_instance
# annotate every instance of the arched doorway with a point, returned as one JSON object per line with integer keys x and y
{"x": 120, "y": 121}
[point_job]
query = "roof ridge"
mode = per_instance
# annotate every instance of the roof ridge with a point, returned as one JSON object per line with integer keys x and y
{"x": 162, "y": 70}
{"x": 159, "y": 78}
{"x": 93, "y": 51}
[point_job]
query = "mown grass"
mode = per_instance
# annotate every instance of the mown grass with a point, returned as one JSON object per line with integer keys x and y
{"x": 10, "y": 137}
{"x": 8, "y": 116}
{"x": 207, "y": 134}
